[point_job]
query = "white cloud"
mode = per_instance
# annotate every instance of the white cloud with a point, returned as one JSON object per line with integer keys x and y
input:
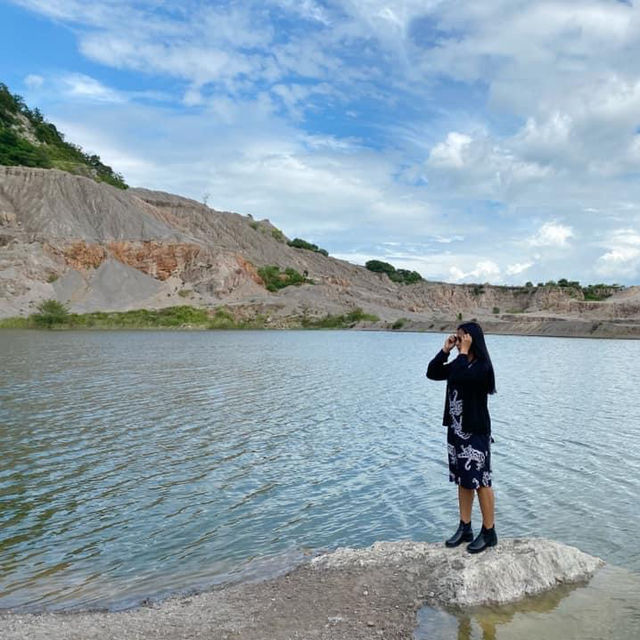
{"x": 623, "y": 262}
{"x": 622, "y": 259}
{"x": 33, "y": 81}
{"x": 551, "y": 234}
{"x": 483, "y": 270}
{"x": 81, "y": 86}
{"x": 518, "y": 267}
{"x": 450, "y": 153}
{"x": 457, "y": 124}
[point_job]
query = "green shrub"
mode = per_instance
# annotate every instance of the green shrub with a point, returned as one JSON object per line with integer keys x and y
{"x": 15, "y": 150}
{"x": 600, "y": 291}
{"x": 299, "y": 243}
{"x": 52, "y": 277}
{"x": 274, "y": 278}
{"x": 277, "y": 235}
{"x": 377, "y": 266}
{"x": 50, "y": 313}
{"x": 222, "y": 319}
{"x": 496, "y": 310}
{"x": 399, "y": 323}
{"x": 403, "y": 276}
{"x": 51, "y": 151}
{"x": 183, "y": 293}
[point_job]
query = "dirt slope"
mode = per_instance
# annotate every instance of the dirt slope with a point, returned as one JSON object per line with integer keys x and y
{"x": 96, "y": 247}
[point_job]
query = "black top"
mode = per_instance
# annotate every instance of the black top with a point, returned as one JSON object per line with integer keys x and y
{"x": 472, "y": 378}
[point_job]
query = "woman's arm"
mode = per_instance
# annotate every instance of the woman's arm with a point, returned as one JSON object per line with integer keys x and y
{"x": 460, "y": 371}
{"x": 438, "y": 368}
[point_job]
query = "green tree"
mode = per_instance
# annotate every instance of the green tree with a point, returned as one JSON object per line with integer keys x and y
{"x": 299, "y": 243}
{"x": 50, "y": 313}
{"x": 377, "y": 266}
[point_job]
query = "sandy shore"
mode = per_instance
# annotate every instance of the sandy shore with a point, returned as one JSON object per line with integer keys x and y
{"x": 349, "y": 594}
{"x": 304, "y": 604}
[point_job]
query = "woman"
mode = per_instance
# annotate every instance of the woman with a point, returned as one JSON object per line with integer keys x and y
{"x": 469, "y": 379}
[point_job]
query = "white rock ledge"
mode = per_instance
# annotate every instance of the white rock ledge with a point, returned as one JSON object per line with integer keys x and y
{"x": 514, "y": 569}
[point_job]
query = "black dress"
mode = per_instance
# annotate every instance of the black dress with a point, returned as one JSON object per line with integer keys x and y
{"x": 469, "y": 453}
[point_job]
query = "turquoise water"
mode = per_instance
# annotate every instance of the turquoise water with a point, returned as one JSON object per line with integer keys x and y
{"x": 139, "y": 463}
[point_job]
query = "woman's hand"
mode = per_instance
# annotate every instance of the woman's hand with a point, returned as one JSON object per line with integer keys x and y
{"x": 449, "y": 343}
{"x": 465, "y": 343}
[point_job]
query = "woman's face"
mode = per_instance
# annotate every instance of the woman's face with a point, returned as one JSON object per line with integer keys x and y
{"x": 459, "y": 334}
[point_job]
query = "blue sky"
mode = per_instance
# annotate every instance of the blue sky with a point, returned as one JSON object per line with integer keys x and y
{"x": 492, "y": 141}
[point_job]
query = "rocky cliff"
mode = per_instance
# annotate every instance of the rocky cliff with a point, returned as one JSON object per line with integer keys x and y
{"x": 96, "y": 247}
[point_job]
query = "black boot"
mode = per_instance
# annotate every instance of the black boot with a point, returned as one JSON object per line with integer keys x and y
{"x": 486, "y": 538}
{"x": 463, "y": 534}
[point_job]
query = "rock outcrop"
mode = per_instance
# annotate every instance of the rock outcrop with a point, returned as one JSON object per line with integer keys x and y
{"x": 516, "y": 568}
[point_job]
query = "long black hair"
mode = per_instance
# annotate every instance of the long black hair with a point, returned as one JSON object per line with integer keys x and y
{"x": 480, "y": 351}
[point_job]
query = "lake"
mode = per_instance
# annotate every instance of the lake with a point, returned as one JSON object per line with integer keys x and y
{"x": 135, "y": 464}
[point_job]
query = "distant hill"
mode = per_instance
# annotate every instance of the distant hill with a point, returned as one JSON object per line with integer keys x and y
{"x": 96, "y": 248}
{"x": 28, "y": 140}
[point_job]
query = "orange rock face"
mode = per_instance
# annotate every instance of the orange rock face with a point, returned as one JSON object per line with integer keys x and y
{"x": 156, "y": 259}
{"x": 249, "y": 269}
{"x": 81, "y": 255}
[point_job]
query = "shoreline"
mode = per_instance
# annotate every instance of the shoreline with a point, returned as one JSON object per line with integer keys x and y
{"x": 513, "y": 329}
{"x": 346, "y": 594}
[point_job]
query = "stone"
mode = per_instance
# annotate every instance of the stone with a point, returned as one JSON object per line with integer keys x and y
{"x": 516, "y": 568}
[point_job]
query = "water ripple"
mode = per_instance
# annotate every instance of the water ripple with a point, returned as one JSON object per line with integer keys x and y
{"x": 141, "y": 463}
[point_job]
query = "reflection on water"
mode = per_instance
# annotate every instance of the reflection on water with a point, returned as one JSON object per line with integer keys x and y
{"x": 606, "y": 608}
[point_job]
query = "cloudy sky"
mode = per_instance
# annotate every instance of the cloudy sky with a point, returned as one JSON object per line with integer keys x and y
{"x": 473, "y": 141}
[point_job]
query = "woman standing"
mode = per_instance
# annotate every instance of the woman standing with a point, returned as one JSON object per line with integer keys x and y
{"x": 469, "y": 379}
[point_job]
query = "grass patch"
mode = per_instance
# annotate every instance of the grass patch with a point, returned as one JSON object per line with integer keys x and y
{"x": 53, "y": 314}
{"x": 399, "y": 323}
{"x": 143, "y": 318}
{"x": 343, "y": 321}
{"x": 222, "y": 319}
{"x": 15, "y": 322}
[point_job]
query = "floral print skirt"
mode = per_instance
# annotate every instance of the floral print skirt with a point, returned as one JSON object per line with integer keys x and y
{"x": 469, "y": 458}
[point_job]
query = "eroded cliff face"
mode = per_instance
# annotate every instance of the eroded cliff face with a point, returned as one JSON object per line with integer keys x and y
{"x": 61, "y": 228}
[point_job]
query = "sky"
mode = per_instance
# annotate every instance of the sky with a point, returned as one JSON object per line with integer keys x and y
{"x": 490, "y": 142}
